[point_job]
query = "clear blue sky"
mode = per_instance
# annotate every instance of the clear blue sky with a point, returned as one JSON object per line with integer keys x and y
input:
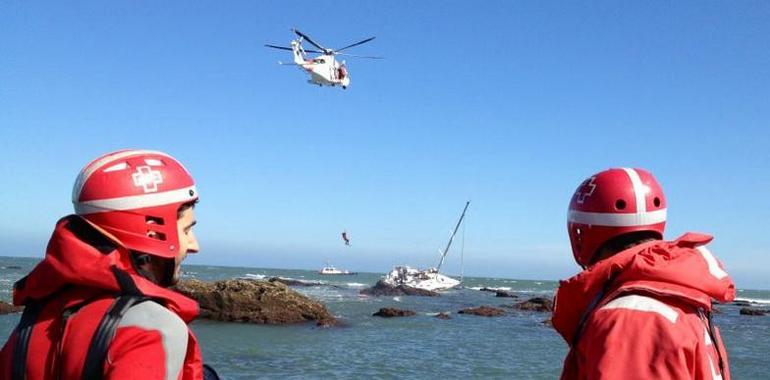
{"x": 509, "y": 104}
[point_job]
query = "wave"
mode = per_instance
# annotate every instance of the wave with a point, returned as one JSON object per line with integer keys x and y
{"x": 355, "y": 285}
{"x": 253, "y": 276}
{"x": 753, "y": 300}
{"x": 503, "y": 288}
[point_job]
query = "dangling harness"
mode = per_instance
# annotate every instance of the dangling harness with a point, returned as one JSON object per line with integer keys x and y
{"x": 93, "y": 368}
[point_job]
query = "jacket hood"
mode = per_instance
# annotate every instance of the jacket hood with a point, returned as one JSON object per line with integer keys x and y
{"x": 682, "y": 268}
{"x": 79, "y": 255}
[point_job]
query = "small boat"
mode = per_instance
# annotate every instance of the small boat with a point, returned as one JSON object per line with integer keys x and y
{"x": 428, "y": 279}
{"x": 331, "y": 270}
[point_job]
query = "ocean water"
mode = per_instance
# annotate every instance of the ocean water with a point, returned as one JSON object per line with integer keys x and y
{"x": 515, "y": 346}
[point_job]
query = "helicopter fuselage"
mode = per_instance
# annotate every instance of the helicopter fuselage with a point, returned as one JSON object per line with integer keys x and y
{"x": 324, "y": 70}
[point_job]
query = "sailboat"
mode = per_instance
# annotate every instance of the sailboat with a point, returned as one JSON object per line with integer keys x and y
{"x": 428, "y": 279}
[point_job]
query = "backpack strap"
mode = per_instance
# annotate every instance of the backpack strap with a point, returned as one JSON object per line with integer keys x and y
{"x": 130, "y": 295}
{"x": 93, "y": 368}
{"x": 24, "y": 332}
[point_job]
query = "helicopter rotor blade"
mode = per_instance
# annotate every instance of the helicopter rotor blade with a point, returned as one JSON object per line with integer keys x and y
{"x": 290, "y": 49}
{"x": 360, "y": 56}
{"x": 357, "y": 43}
{"x": 278, "y": 47}
{"x": 303, "y": 35}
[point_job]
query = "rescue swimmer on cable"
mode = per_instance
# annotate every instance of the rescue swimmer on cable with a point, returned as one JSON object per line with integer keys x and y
{"x": 324, "y": 69}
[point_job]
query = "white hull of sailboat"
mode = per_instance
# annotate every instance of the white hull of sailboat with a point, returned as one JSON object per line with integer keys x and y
{"x": 429, "y": 279}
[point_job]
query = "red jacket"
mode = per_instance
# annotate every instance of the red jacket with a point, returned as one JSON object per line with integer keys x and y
{"x": 650, "y": 315}
{"x": 151, "y": 342}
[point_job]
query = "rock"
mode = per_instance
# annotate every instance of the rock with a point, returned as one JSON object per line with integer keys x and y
{"x": 12, "y": 267}
{"x": 484, "y": 311}
{"x": 383, "y": 289}
{"x": 742, "y": 303}
{"x": 7, "y": 308}
{"x": 535, "y": 304}
{"x": 503, "y": 293}
{"x": 548, "y": 322}
{"x": 751, "y": 311}
{"x": 389, "y": 312}
{"x": 485, "y": 289}
{"x": 253, "y": 301}
{"x": 443, "y": 315}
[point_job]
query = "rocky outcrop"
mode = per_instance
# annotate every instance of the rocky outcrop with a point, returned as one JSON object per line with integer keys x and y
{"x": 503, "y": 293}
{"x": 535, "y": 304}
{"x": 253, "y": 301}
{"x": 752, "y": 311}
{"x": 389, "y": 312}
{"x": 6, "y": 308}
{"x": 484, "y": 311}
{"x": 383, "y": 289}
{"x": 443, "y": 315}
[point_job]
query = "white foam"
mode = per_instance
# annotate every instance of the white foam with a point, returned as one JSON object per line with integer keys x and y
{"x": 397, "y": 299}
{"x": 753, "y": 300}
{"x": 355, "y": 284}
{"x": 254, "y": 276}
{"x": 504, "y": 288}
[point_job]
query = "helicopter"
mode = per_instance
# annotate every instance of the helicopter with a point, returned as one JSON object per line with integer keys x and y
{"x": 324, "y": 69}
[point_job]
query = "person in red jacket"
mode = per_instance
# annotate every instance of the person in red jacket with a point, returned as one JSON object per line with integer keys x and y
{"x": 641, "y": 308}
{"x": 98, "y": 305}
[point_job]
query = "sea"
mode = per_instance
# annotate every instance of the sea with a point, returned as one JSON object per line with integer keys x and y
{"x": 517, "y": 345}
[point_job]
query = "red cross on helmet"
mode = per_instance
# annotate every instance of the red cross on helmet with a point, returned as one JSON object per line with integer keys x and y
{"x": 611, "y": 203}
{"x": 135, "y": 195}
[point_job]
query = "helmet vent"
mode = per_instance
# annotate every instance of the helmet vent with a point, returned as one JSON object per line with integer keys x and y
{"x": 620, "y": 204}
{"x": 153, "y": 220}
{"x": 656, "y": 202}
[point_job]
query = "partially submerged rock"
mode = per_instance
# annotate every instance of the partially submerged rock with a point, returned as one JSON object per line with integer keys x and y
{"x": 503, "y": 293}
{"x": 535, "y": 304}
{"x": 389, "y": 312}
{"x": 443, "y": 315}
{"x": 752, "y": 311}
{"x": 7, "y": 308}
{"x": 484, "y": 311}
{"x": 383, "y": 289}
{"x": 253, "y": 301}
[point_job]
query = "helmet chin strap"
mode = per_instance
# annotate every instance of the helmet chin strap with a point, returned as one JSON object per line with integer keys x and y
{"x": 156, "y": 269}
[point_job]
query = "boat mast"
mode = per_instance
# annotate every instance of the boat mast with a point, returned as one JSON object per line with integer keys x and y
{"x": 449, "y": 243}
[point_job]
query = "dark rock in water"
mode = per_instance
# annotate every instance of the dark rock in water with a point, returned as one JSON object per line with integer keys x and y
{"x": 485, "y": 289}
{"x": 444, "y": 315}
{"x": 751, "y": 311}
{"x": 484, "y": 311}
{"x": 503, "y": 293}
{"x": 12, "y": 267}
{"x": 535, "y": 304}
{"x": 742, "y": 303}
{"x": 383, "y": 289}
{"x": 388, "y": 312}
{"x": 6, "y": 308}
{"x": 252, "y": 301}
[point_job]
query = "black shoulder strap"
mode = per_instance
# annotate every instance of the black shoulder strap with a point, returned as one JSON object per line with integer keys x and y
{"x": 24, "y": 331}
{"x": 93, "y": 368}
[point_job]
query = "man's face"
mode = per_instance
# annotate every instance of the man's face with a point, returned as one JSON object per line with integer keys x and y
{"x": 187, "y": 241}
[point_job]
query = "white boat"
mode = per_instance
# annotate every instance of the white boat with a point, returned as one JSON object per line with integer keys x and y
{"x": 330, "y": 269}
{"x": 428, "y": 279}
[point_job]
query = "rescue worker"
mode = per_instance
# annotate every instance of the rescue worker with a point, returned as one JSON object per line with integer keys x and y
{"x": 98, "y": 306}
{"x": 641, "y": 308}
